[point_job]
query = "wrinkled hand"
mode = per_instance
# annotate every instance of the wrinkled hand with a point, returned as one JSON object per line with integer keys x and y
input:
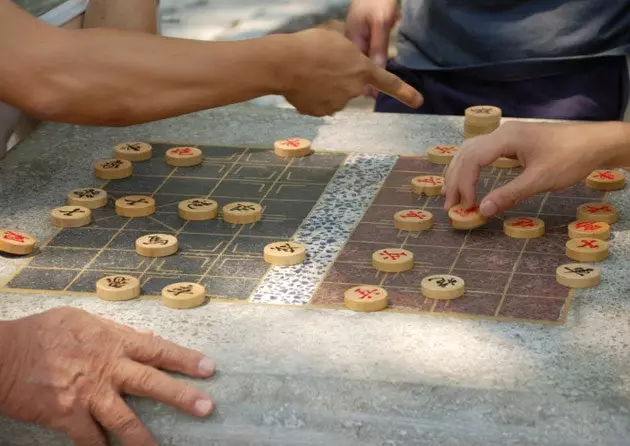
{"x": 554, "y": 156}
{"x": 66, "y": 369}
{"x": 327, "y": 70}
{"x": 368, "y": 25}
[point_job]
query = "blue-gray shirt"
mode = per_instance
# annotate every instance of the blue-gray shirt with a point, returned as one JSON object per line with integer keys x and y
{"x": 511, "y": 39}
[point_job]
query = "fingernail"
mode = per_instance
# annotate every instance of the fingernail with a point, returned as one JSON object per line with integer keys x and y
{"x": 488, "y": 208}
{"x": 207, "y": 366}
{"x": 203, "y": 407}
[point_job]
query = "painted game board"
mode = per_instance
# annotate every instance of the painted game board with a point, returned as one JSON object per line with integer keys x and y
{"x": 340, "y": 206}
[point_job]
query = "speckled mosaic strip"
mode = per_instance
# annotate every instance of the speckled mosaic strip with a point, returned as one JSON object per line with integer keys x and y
{"x": 326, "y": 229}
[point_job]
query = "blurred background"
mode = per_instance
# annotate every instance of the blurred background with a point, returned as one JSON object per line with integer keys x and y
{"x": 243, "y": 19}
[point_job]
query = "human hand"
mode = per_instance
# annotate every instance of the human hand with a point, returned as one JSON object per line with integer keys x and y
{"x": 327, "y": 70}
{"x": 554, "y": 156}
{"x": 368, "y": 25}
{"x": 66, "y": 369}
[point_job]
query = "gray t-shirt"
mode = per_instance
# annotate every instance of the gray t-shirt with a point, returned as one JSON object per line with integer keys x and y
{"x": 38, "y": 7}
{"x": 511, "y": 39}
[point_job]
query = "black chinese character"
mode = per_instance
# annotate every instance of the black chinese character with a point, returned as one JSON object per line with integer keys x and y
{"x": 117, "y": 282}
{"x": 86, "y": 193}
{"x": 442, "y": 282}
{"x": 113, "y": 164}
{"x": 132, "y": 147}
{"x": 284, "y": 248}
{"x": 580, "y": 271}
{"x": 243, "y": 207}
{"x": 155, "y": 240}
{"x": 131, "y": 202}
{"x": 194, "y": 204}
{"x": 69, "y": 213}
{"x": 184, "y": 289}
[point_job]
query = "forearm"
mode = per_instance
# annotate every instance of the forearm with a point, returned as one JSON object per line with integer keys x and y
{"x": 612, "y": 140}
{"x": 111, "y": 77}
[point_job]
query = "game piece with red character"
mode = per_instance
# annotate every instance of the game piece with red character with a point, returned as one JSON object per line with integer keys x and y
{"x": 430, "y": 185}
{"x": 292, "y": 147}
{"x": 594, "y": 229}
{"x": 16, "y": 243}
{"x": 392, "y": 260}
{"x": 365, "y": 298}
{"x": 441, "y": 154}
{"x": 606, "y": 179}
{"x": 587, "y": 249}
{"x": 524, "y": 227}
{"x": 184, "y": 156}
{"x": 413, "y": 220}
{"x": 466, "y": 218}
{"x": 598, "y": 211}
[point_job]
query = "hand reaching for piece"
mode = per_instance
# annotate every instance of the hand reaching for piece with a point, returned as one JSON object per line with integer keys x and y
{"x": 554, "y": 156}
{"x": 66, "y": 369}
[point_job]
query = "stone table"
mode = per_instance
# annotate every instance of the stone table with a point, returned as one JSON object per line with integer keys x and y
{"x": 289, "y": 376}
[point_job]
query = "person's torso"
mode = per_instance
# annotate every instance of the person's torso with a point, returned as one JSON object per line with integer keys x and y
{"x": 531, "y": 35}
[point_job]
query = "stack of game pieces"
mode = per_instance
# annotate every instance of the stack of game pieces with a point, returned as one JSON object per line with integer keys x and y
{"x": 481, "y": 120}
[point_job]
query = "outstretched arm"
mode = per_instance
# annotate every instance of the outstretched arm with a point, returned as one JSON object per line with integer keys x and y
{"x": 117, "y": 77}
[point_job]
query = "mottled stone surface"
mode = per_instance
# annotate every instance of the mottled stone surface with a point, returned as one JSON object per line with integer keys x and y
{"x": 289, "y": 376}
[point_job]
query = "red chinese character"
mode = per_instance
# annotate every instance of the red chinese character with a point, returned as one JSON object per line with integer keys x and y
{"x": 14, "y": 236}
{"x": 291, "y": 143}
{"x": 589, "y": 244}
{"x": 392, "y": 255}
{"x": 430, "y": 180}
{"x": 587, "y": 226}
{"x": 445, "y": 149}
{"x": 367, "y": 294}
{"x": 524, "y": 222}
{"x": 414, "y": 214}
{"x": 186, "y": 151}
{"x": 595, "y": 210}
{"x": 605, "y": 175}
{"x": 465, "y": 212}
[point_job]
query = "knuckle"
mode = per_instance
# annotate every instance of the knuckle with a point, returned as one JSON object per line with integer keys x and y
{"x": 126, "y": 423}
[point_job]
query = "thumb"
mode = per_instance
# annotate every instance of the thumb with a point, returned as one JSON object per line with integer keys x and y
{"x": 508, "y": 196}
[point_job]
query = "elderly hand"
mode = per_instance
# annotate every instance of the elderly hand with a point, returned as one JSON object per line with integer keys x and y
{"x": 554, "y": 156}
{"x": 66, "y": 369}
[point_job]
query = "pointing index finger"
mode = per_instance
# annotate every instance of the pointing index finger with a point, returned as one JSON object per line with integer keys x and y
{"x": 395, "y": 87}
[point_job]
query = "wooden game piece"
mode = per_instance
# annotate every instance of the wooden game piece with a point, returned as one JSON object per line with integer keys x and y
{"x": 71, "y": 216}
{"x": 589, "y": 229}
{"x": 483, "y": 114}
{"x": 198, "y": 209}
{"x": 441, "y": 154}
{"x": 365, "y": 298}
{"x": 16, "y": 243}
{"x": 606, "y": 180}
{"x": 392, "y": 260}
{"x": 184, "y": 156}
{"x": 524, "y": 227}
{"x": 284, "y": 253}
{"x": 578, "y": 275}
{"x": 89, "y": 197}
{"x": 242, "y": 212}
{"x": 113, "y": 169}
{"x": 292, "y": 147}
{"x": 430, "y": 185}
{"x": 413, "y": 220}
{"x": 135, "y": 206}
{"x": 133, "y": 151}
{"x": 587, "y": 249}
{"x": 442, "y": 287}
{"x": 466, "y": 218}
{"x": 506, "y": 163}
{"x": 183, "y": 295}
{"x": 118, "y": 288}
{"x": 156, "y": 245}
{"x": 598, "y": 211}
